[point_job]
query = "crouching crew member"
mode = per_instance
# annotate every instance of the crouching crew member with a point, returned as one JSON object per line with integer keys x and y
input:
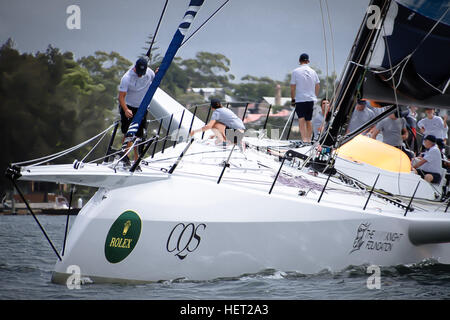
{"x": 429, "y": 165}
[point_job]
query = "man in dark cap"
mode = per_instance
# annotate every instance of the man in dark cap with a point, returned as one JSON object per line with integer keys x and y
{"x": 304, "y": 90}
{"x": 222, "y": 119}
{"x": 132, "y": 89}
{"x": 429, "y": 165}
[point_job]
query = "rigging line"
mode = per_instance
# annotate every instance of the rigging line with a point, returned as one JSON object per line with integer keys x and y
{"x": 408, "y": 57}
{"x": 201, "y": 26}
{"x": 332, "y": 49}
{"x": 289, "y": 120}
{"x": 156, "y": 31}
{"x": 126, "y": 153}
{"x": 366, "y": 45}
{"x": 137, "y": 145}
{"x": 326, "y": 49}
{"x": 373, "y": 70}
{"x": 187, "y": 155}
{"x": 439, "y": 90}
{"x": 431, "y": 30}
{"x": 120, "y": 151}
{"x": 62, "y": 153}
{"x": 93, "y": 148}
{"x": 395, "y": 95}
{"x": 178, "y": 112}
{"x": 35, "y": 218}
{"x": 188, "y": 108}
{"x": 364, "y": 48}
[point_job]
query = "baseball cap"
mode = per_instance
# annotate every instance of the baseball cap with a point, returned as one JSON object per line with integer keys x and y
{"x": 304, "y": 57}
{"x": 431, "y": 138}
{"x": 141, "y": 66}
{"x": 361, "y": 101}
{"x": 215, "y": 102}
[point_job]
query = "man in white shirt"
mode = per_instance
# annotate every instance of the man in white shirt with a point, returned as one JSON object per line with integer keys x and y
{"x": 132, "y": 89}
{"x": 429, "y": 166}
{"x": 432, "y": 125}
{"x": 304, "y": 90}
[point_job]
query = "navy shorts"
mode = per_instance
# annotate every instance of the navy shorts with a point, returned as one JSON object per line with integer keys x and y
{"x": 125, "y": 122}
{"x": 304, "y": 110}
{"x": 436, "y": 176}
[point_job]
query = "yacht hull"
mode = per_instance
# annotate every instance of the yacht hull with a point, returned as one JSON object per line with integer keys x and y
{"x": 223, "y": 230}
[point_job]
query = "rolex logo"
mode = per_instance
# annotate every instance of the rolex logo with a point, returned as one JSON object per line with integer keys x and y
{"x": 122, "y": 236}
{"x": 127, "y": 226}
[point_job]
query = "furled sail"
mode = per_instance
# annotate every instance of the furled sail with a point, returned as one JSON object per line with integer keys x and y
{"x": 411, "y": 54}
{"x": 399, "y": 57}
{"x": 177, "y": 39}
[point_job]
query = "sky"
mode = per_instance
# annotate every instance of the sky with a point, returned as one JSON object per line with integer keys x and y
{"x": 262, "y": 38}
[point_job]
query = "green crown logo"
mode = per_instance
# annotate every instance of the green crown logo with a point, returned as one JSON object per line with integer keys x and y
{"x": 122, "y": 236}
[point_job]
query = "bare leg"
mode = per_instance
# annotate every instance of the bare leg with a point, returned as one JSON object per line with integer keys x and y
{"x": 219, "y": 130}
{"x": 303, "y": 130}
{"x": 136, "y": 152}
{"x": 129, "y": 144}
{"x": 308, "y": 131}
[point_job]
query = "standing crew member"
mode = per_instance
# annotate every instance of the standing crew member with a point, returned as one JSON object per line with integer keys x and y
{"x": 304, "y": 90}
{"x": 132, "y": 89}
{"x": 432, "y": 125}
{"x": 394, "y": 132}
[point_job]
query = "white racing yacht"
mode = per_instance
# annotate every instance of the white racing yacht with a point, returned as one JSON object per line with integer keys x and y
{"x": 201, "y": 210}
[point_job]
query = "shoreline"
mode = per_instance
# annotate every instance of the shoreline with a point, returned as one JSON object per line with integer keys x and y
{"x": 49, "y": 212}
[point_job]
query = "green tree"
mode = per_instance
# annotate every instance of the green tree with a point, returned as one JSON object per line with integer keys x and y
{"x": 208, "y": 70}
{"x": 54, "y": 101}
{"x": 254, "y": 88}
{"x": 155, "y": 56}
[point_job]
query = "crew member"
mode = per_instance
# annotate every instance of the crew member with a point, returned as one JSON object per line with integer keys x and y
{"x": 222, "y": 119}
{"x": 429, "y": 166}
{"x": 360, "y": 116}
{"x": 304, "y": 90}
{"x": 432, "y": 125}
{"x": 132, "y": 89}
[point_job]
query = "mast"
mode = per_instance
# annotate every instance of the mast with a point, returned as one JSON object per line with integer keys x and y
{"x": 177, "y": 39}
{"x": 345, "y": 98}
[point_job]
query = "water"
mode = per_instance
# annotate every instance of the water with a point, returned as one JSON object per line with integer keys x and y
{"x": 26, "y": 263}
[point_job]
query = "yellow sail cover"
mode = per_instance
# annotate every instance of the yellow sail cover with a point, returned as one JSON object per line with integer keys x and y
{"x": 376, "y": 153}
